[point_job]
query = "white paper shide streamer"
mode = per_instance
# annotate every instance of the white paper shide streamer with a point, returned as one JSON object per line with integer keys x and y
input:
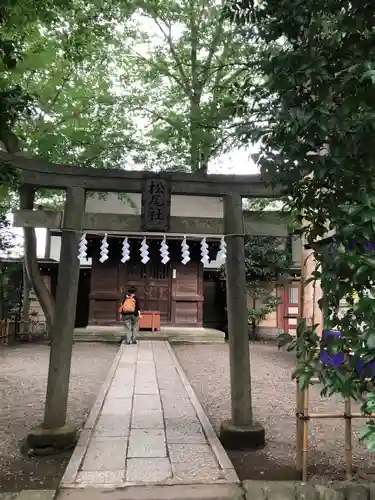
{"x": 185, "y": 251}
{"x": 82, "y": 247}
{"x": 144, "y": 251}
{"x": 104, "y": 250}
{"x": 204, "y": 251}
{"x": 125, "y": 252}
{"x": 164, "y": 251}
{"x": 222, "y": 253}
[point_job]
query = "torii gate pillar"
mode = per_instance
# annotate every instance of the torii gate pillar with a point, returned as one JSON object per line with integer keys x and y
{"x": 54, "y": 433}
{"x": 241, "y": 431}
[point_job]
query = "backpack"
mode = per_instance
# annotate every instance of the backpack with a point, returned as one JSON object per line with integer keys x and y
{"x": 128, "y": 306}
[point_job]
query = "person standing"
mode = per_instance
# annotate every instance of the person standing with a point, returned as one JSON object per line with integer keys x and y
{"x": 130, "y": 314}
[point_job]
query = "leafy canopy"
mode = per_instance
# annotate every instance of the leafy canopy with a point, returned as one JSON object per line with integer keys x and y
{"x": 267, "y": 259}
{"x": 57, "y": 97}
{"x": 316, "y": 64}
{"x": 177, "y": 63}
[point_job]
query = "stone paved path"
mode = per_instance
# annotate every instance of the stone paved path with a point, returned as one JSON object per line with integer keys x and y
{"x": 147, "y": 427}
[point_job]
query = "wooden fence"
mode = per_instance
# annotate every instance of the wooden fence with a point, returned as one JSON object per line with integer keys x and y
{"x": 11, "y": 330}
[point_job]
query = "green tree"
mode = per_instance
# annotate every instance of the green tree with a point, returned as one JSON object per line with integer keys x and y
{"x": 57, "y": 99}
{"x": 266, "y": 262}
{"x": 178, "y": 61}
{"x": 7, "y": 238}
{"x": 316, "y": 60}
{"x": 26, "y": 25}
{"x": 10, "y": 289}
{"x": 10, "y": 272}
{"x": 77, "y": 117}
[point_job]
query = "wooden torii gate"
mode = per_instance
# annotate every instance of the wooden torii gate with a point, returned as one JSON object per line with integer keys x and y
{"x": 239, "y": 432}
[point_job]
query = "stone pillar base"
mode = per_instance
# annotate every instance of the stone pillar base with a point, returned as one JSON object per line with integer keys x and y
{"x": 242, "y": 438}
{"x": 42, "y": 441}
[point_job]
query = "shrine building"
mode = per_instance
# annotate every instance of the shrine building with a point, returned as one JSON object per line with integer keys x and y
{"x": 190, "y": 294}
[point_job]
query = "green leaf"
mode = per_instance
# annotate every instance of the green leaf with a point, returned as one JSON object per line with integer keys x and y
{"x": 284, "y": 339}
{"x": 313, "y": 120}
{"x": 305, "y": 380}
{"x": 371, "y": 341}
{"x": 368, "y": 75}
{"x": 301, "y": 327}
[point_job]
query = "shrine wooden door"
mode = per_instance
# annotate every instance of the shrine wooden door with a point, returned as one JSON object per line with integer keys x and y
{"x": 153, "y": 286}
{"x": 158, "y": 290}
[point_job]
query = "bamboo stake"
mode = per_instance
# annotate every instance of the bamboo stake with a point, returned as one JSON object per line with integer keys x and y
{"x": 314, "y": 380}
{"x": 338, "y": 415}
{"x": 348, "y": 439}
{"x": 348, "y": 432}
{"x": 317, "y": 381}
{"x": 305, "y": 442}
{"x": 302, "y": 397}
{"x": 303, "y": 416}
{"x": 299, "y": 428}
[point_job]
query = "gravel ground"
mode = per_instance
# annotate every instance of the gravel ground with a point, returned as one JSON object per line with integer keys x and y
{"x": 207, "y": 368}
{"x": 23, "y": 378}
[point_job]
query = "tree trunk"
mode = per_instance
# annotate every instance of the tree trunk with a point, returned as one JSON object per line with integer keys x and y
{"x": 253, "y": 323}
{"x": 194, "y": 136}
{"x": 13, "y": 145}
{"x": 253, "y": 330}
{"x": 195, "y": 99}
{"x": 41, "y": 291}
